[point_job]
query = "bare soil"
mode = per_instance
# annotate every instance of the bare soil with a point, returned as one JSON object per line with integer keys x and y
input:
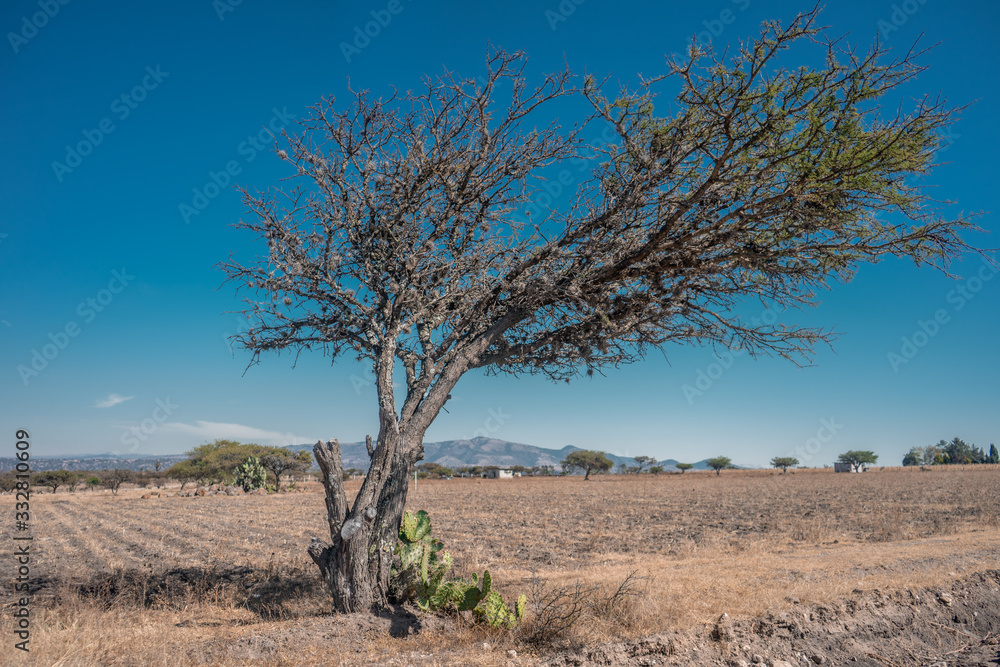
{"x": 954, "y": 626}
{"x": 890, "y": 567}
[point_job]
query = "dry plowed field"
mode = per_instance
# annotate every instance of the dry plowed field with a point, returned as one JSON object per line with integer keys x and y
{"x": 889, "y": 567}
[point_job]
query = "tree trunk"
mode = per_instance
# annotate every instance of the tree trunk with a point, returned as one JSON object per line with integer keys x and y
{"x": 391, "y": 504}
{"x": 357, "y": 564}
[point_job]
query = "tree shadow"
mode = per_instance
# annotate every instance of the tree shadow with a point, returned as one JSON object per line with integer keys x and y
{"x": 402, "y": 621}
{"x": 271, "y": 593}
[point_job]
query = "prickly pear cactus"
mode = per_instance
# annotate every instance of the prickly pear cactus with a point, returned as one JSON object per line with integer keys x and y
{"x": 251, "y": 475}
{"x": 415, "y": 527}
{"x": 494, "y": 611}
{"x": 422, "y": 564}
{"x": 422, "y": 577}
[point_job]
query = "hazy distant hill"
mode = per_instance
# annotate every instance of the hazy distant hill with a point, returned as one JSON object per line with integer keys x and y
{"x": 458, "y": 453}
{"x": 95, "y": 462}
{"x": 482, "y": 452}
{"x": 450, "y": 453}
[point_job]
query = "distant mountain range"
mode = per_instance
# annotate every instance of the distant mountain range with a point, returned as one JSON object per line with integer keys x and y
{"x": 95, "y": 462}
{"x": 486, "y": 452}
{"x": 450, "y": 453}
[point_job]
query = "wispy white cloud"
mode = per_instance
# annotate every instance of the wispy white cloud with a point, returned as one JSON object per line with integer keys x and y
{"x": 112, "y": 400}
{"x": 217, "y": 430}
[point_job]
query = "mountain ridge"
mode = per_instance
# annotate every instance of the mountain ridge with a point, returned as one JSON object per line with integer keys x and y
{"x": 479, "y": 451}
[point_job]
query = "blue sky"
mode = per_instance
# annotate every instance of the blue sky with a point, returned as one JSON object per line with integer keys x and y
{"x": 98, "y": 263}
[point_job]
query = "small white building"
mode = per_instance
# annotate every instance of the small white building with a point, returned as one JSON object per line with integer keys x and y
{"x": 499, "y": 472}
{"x": 847, "y": 467}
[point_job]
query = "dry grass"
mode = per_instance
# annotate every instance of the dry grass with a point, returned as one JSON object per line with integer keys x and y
{"x": 225, "y": 580}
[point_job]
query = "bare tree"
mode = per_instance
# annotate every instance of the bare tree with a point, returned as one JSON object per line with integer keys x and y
{"x": 403, "y": 242}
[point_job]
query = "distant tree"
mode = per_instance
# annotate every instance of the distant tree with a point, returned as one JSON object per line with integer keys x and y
{"x": 157, "y": 466}
{"x": 281, "y": 461}
{"x": 8, "y": 481}
{"x": 994, "y": 454}
{"x": 914, "y": 457}
{"x": 643, "y": 462}
{"x": 931, "y": 454}
{"x": 431, "y": 469}
{"x": 54, "y": 479}
{"x": 184, "y": 472}
{"x": 719, "y": 463}
{"x": 960, "y": 452}
{"x": 656, "y": 470}
{"x": 784, "y": 462}
{"x": 113, "y": 479}
{"x": 523, "y": 470}
{"x": 587, "y": 461}
{"x": 684, "y": 467}
{"x": 144, "y": 478}
{"x": 92, "y": 482}
{"x": 858, "y": 458}
{"x": 218, "y": 461}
